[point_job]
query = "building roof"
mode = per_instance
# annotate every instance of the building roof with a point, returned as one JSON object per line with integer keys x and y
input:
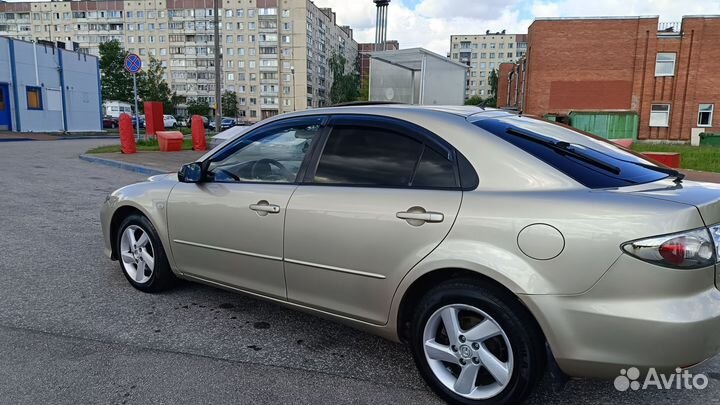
{"x": 411, "y": 58}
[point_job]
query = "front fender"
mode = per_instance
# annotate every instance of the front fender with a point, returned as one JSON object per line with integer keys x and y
{"x": 150, "y": 198}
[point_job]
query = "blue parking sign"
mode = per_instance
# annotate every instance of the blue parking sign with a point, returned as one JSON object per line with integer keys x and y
{"x": 133, "y": 64}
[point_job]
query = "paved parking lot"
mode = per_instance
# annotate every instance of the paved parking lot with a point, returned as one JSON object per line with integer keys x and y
{"x": 73, "y": 331}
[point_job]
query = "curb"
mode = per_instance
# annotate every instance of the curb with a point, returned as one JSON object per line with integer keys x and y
{"x": 72, "y": 138}
{"x": 122, "y": 165}
{"x": 16, "y": 139}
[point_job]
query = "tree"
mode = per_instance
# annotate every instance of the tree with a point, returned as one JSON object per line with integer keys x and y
{"x": 117, "y": 83}
{"x": 479, "y": 101}
{"x": 474, "y": 100}
{"x": 345, "y": 86}
{"x": 230, "y": 104}
{"x": 493, "y": 82}
{"x": 152, "y": 85}
{"x": 364, "y": 91}
{"x": 197, "y": 107}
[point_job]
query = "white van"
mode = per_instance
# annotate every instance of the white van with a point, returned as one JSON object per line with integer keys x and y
{"x": 115, "y": 108}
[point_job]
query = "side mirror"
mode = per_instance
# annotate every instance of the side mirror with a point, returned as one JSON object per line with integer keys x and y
{"x": 191, "y": 173}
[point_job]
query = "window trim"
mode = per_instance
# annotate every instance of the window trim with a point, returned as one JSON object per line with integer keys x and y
{"x": 710, "y": 120}
{"x": 674, "y": 64}
{"x": 422, "y": 135}
{"x": 265, "y": 129}
{"x": 28, "y": 89}
{"x": 669, "y": 111}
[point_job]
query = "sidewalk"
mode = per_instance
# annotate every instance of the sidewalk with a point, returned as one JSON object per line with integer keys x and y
{"x": 149, "y": 163}
{"x": 702, "y": 176}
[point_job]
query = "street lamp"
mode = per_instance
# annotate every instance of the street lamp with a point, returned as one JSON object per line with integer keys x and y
{"x": 292, "y": 71}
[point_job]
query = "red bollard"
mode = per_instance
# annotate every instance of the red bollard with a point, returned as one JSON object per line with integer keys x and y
{"x": 154, "y": 120}
{"x": 198, "y": 133}
{"x": 127, "y": 134}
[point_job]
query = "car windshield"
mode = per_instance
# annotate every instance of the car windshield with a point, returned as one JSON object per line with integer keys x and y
{"x": 590, "y": 160}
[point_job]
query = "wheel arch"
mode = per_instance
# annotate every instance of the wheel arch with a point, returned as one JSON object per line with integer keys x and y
{"x": 421, "y": 284}
{"x": 118, "y": 216}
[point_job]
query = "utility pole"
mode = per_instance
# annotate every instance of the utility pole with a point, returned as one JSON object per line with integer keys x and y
{"x": 218, "y": 68}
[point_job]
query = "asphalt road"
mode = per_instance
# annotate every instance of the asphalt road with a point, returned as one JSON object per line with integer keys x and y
{"x": 73, "y": 331}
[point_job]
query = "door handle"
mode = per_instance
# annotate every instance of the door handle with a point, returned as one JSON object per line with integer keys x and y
{"x": 417, "y": 216}
{"x": 264, "y": 208}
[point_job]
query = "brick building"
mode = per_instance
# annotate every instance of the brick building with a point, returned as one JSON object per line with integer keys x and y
{"x": 666, "y": 75}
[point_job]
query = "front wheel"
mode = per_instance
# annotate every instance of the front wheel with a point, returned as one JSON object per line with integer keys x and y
{"x": 476, "y": 345}
{"x": 141, "y": 255}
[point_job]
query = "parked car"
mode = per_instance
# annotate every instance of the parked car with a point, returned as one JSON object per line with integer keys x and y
{"x": 110, "y": 122}
{"x": 170, "y": 121}
{"x": 491, "y": 244}
{"x": 206, "y": 122}
{"x": 142, "y": 121}
{"x": 225, "y": 123}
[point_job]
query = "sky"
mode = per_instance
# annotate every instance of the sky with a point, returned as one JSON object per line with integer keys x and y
{"x": 429, "y": 23}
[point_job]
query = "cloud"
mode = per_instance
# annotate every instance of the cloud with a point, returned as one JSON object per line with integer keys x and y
{"x": 430, "y": 23}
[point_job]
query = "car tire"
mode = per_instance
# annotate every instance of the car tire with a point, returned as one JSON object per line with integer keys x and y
{"x": 140, "y": 249}
{"x": 494, "y": 332}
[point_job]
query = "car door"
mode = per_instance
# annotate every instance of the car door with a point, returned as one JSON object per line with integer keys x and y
{"x": 228, "y": 229}
{"x": 381, "y": 196}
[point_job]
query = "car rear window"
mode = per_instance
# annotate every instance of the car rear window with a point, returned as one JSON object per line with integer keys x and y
{"x": 591, "y": 161}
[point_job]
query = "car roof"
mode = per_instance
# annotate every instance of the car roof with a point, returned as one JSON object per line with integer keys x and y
{"x": 463, "y": 111}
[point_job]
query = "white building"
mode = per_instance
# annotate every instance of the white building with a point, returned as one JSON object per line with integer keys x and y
{"x": 484, "y": 53}
{"x": 47, "y": 89}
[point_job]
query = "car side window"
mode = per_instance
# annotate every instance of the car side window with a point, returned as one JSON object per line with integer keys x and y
{"x": 370, "y": 156}
{"x": 268, "y": 156}
{"x": 435, "y": 170}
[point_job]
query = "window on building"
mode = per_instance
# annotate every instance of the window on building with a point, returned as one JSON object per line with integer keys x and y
{"x": 665, "y": 64}
{"x": 34, "y": 98}
{"x": 660, "y": 115}
{"x": 705, "y": 115}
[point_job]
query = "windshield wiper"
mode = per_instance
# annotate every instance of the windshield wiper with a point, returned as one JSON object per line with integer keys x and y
{"x": 665, "y": 170}
{"x": 565, "y": 149}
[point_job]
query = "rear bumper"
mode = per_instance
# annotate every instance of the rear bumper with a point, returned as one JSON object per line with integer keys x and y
{"x": 637, "y": 315}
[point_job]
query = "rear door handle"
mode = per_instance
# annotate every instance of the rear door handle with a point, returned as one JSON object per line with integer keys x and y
{"x": 420, "y": 216}
{"x": 264, "y": 208}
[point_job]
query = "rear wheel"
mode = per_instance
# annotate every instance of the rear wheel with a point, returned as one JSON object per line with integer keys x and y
{"x": 141, "y": 255}
{"x": 475, "y": 344}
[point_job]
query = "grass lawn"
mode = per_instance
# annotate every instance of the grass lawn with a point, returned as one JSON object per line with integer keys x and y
{"x": 151, "y": 145}
{"x": 704, "y": 158}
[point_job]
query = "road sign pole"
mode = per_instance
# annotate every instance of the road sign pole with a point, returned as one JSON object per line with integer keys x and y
{"x": 137, "y": 112}
{"x": 133, "y": 64}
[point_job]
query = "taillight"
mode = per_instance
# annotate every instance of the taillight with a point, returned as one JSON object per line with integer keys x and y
{"x": 715, "y": 233}
{"x": 686, "y": 250}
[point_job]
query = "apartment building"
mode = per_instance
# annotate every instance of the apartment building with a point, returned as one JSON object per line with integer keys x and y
{"x": 275, "y": 53}
{"x": 483, "y": 53}
{"x": 634, "y": 76}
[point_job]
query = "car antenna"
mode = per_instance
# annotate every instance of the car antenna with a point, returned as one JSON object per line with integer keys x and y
{"x": 482, "y": 104}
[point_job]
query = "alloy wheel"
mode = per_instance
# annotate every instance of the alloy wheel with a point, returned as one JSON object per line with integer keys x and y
{"x": 137, "y": 254}
{"x": 468, "y": 351}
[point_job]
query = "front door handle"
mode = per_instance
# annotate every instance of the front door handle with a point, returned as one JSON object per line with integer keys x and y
{"x": 263, "y": 208}
{"x": 417, "y": 216}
